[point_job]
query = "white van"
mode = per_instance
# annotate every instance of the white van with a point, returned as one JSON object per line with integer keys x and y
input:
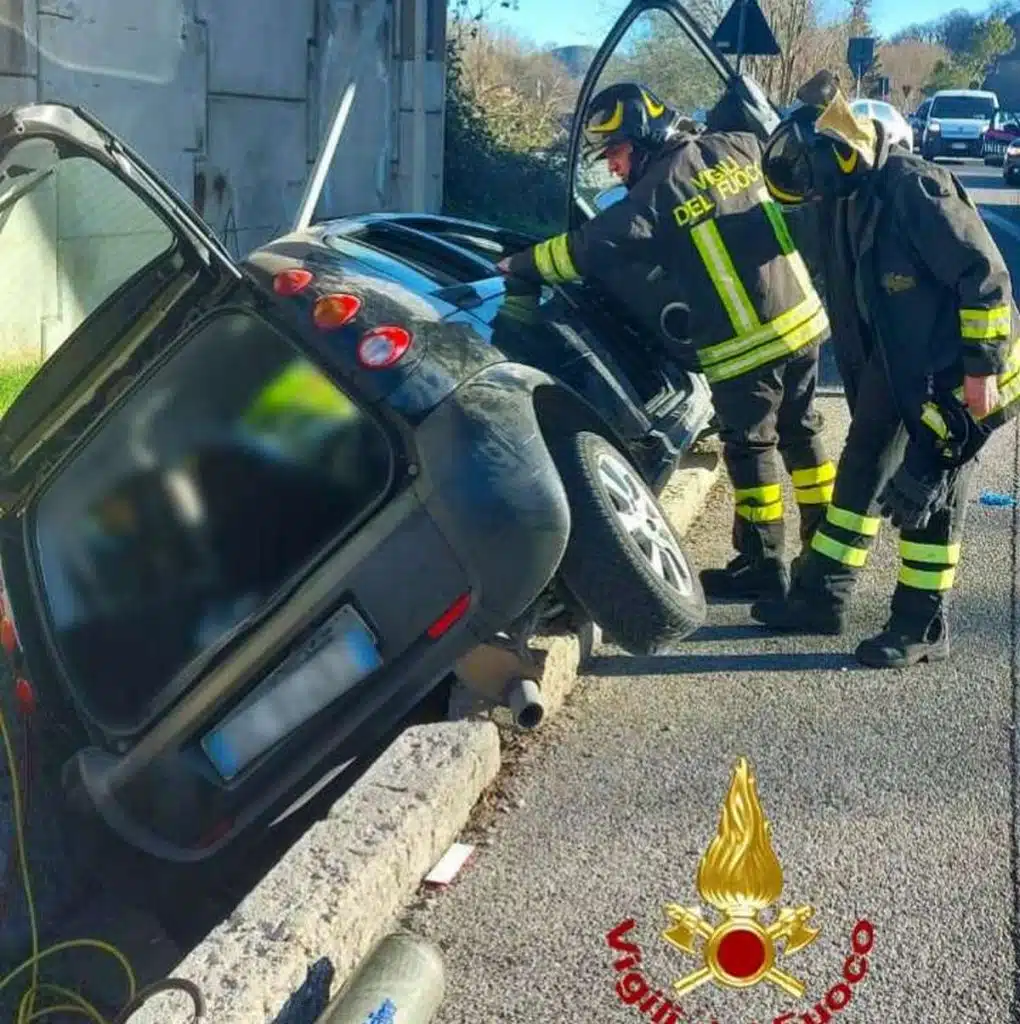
{"x": 956, "y": 123}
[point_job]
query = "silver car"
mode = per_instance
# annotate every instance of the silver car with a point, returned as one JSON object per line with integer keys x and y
{"x": 895, "y": 123}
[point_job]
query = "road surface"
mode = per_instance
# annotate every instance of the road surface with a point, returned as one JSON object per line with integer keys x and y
{"x": 891, "y": 798}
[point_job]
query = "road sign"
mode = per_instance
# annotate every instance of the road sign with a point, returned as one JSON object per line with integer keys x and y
{"x": 860, "y": 54}
{"x": 744, "y": 31}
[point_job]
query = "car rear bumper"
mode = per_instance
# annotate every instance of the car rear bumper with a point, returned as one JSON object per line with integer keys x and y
{"x": 485, "y": 514}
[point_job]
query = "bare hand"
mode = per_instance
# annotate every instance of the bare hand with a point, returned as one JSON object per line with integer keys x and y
{"x": 504, "y": 265}
{"x": 980, "y": 394}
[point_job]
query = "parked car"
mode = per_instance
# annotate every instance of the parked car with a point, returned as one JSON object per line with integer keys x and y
{"x": 900, "y": 132}
{"x": 917, "y": 120}
{"x": 1005, "y": 127}
{"x": 956, "y": 123}
{"x": 253, "y": 511}
{"x": 1011, "y": 163}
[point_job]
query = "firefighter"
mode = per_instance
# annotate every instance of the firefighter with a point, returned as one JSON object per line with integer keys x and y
{"x": 925, "y": 336}
{"x": 697, "y": 206}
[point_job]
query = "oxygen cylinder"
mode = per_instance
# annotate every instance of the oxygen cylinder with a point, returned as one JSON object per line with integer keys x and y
{"x": 401, "y": 982}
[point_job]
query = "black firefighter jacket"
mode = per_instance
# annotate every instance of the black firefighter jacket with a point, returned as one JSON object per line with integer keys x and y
{"x": 913, "y": 268}
{"x": 701, "y": 212}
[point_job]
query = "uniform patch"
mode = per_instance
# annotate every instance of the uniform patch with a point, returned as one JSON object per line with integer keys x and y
{"x": 893, "y": 283}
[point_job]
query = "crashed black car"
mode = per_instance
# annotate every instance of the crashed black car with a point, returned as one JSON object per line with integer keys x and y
{"x": 252, "y": 512}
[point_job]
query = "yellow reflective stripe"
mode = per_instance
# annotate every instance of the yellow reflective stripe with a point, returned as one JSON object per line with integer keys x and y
{"x": 766, "y": 494}
{"x": 786, "y": 345}
{"x": 846, "y": 554}
{"x": 1009, "y": 383}
{"x": 932, "y": 419}
{"x": 938, "y": 554}
{"x": 761, "y": 513}
{"x": 866, "y": 526}
{"x": 559, "y": 252}
{"x": 926, "y": 579}
{"x": 813, "y": 475}
{"x": 814, "y": 495}
{"x": 986, "y": 324}
{"x": 544, "y": 263}
{"x": 720, "y": 269}
{"x": 782, "y": 324}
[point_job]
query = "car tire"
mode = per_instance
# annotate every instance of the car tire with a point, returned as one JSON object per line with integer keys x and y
{"x": 637, "y": 584}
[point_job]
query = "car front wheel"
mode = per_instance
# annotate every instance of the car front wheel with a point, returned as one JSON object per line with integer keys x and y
{"x": 624, "y": 563}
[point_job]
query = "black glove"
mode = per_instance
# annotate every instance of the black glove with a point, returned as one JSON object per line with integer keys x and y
{"x": 915, "y": 493}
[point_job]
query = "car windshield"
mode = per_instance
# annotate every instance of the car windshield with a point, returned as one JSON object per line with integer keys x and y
{"x": 1006, "y": 119}
{"x": 963, "y": 107}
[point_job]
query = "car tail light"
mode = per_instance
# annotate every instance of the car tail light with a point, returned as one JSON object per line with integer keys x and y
{"x": 9, "y": 639}
{"x": 332, "y": 311}
{"x": 383, "y": 347}
{"x": 292, "y": 282}
{"x": 450, "y": 617}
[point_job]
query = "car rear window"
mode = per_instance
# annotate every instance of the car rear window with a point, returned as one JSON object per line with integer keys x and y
{"x": 209, "y": 488}
{"x": 962, "y": 107}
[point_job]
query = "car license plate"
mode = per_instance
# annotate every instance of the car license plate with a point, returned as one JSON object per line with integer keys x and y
{"x": 340, "y": 655}
{"x": 959, "y": 145}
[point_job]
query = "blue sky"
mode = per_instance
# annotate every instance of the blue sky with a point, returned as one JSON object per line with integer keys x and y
{"x": 585, "y": 21}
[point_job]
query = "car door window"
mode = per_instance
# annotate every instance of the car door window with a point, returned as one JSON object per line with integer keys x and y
{"x": 657, "y": 52}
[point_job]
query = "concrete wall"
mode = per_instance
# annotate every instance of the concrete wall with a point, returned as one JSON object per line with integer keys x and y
{"x": 229, "y": 99}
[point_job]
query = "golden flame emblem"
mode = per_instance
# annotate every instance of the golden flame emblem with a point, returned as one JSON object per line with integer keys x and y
{"x": 740, "y": 875}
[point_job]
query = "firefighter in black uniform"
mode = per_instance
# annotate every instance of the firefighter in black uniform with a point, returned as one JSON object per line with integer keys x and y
{"x": 926, "y": 338}
{"x": 697, "y": 202}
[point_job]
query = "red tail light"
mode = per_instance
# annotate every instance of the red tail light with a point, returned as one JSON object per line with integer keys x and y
{"x": 450, "y": 617}
{"x": 292, "y": 282}
{"x": 332, "y": 311}
{"x": 383, "y": 347}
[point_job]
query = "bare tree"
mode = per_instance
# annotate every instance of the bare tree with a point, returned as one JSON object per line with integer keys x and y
{"x": 909, "y": 65}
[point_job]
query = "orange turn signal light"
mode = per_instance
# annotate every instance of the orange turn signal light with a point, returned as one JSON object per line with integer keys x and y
{"x": 332, "y": 311}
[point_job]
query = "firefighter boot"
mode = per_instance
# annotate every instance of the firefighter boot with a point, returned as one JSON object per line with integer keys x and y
{"x": 815, "y": 604}
{"x": 746, "y": 579}
{"x": 907, "y": 641}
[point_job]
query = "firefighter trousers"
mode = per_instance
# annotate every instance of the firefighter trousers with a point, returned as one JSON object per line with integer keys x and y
{"x": 840, "y": 548}
{"x": 766, "y": 416}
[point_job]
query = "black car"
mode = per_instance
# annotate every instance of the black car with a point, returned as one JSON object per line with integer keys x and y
{"x": 253, "y": 512}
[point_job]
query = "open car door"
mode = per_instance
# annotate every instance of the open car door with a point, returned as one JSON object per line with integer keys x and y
{"x": 658, "y": 44}
{"x": 96, "y": 254}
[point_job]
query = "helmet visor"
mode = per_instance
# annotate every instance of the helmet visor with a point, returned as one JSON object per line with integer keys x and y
{"x": 787, "y": 165}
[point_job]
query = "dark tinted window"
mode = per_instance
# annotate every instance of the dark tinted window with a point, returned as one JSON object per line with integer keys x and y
{"x": 962, "y": 107}
{"x": 431, "y": 258}
{"x": 208, "y": 489}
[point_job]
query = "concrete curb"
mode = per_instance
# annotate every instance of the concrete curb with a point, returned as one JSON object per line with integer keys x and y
{"x": 341, "y": 887}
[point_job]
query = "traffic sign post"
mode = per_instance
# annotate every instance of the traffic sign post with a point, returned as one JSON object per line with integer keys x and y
{"x": 860, "y": 56}
{"x": 745, "y": 31}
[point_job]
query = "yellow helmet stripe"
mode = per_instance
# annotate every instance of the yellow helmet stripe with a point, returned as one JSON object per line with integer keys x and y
{"x": 614, "y": 121}
{"x": 654, "y": 109}
{"x": 846, "y": 166}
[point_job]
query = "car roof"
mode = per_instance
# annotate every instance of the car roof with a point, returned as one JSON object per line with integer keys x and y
{"x": 966, "y": 92}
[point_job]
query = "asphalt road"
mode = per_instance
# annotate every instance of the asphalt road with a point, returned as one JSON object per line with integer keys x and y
{"x": 891, "y": 798}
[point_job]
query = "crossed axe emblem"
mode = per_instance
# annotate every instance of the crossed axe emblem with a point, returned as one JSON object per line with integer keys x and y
{"x": 789, "y": 927}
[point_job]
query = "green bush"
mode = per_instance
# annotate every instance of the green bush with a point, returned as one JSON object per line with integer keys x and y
{"x": 484, "y": 180}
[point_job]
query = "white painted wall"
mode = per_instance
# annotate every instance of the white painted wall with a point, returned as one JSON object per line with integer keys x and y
{"x": 228, "y": 98}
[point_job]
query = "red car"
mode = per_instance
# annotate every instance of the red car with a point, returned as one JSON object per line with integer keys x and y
{"x": 1004, "y": 129}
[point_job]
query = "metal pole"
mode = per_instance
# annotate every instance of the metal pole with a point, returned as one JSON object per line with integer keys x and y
{"x": 420, "y": 117}
{"x": 740, "y": 34}
{"x": 317, "y": 178}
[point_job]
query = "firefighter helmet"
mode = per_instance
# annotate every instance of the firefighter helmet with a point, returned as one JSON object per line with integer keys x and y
{"x": 821, "y": 149}
{"x": 627, "y": 112}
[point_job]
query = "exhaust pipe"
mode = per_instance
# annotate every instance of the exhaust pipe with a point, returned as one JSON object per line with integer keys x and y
{"x": 524, "y": 699}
